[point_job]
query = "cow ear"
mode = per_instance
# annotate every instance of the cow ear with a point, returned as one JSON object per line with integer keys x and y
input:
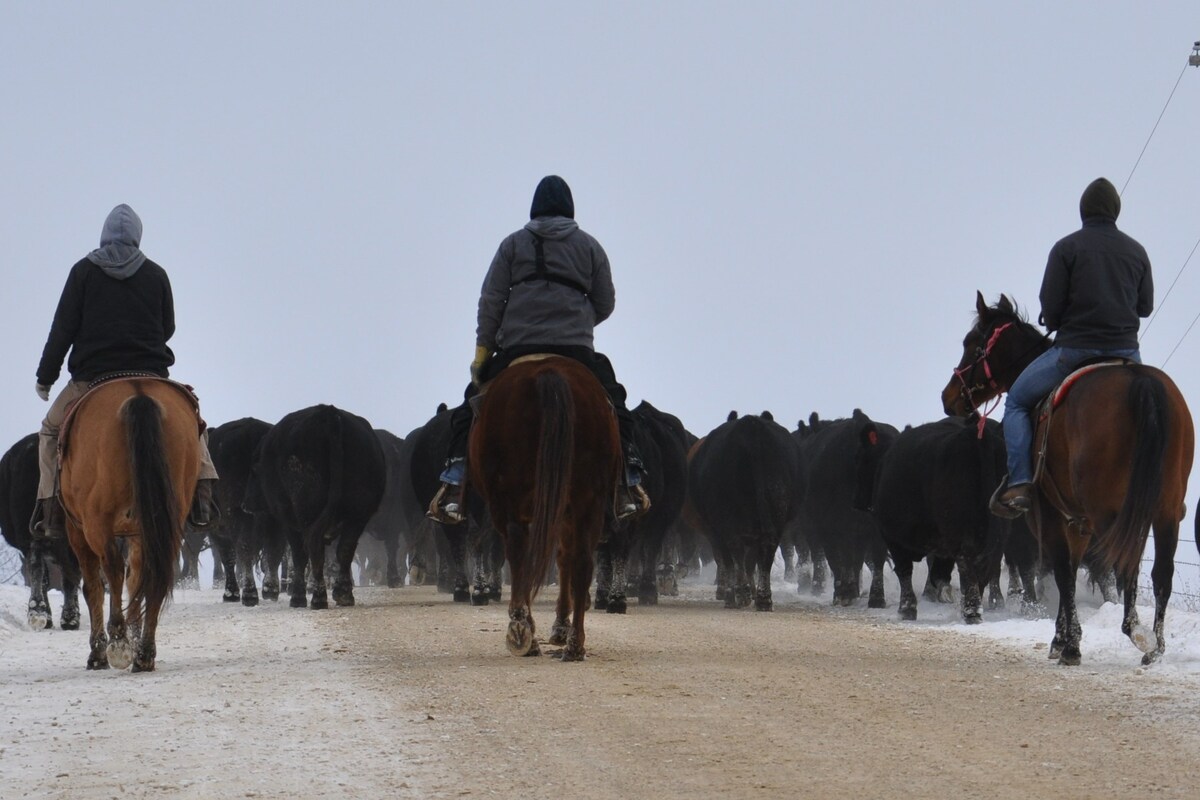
{"x": 980, "y": 304}
{"x": 732, "y": 416}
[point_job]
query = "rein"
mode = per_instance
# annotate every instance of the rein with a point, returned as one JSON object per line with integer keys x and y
{"x": 968, "y": 390}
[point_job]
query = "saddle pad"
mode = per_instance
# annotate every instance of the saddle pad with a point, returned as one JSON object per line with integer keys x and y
{"x": 1060, "y": 394}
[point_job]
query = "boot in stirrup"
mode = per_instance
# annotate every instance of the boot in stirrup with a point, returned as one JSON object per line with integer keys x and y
{"x": 447, "y": 505}
{"x": 204, "y": 510}
{"x": 49, "y": 521}
{"x": 632, "y": 500}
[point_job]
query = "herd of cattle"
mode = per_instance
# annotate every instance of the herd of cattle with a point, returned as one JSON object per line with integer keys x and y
{"x": 847, "y": 493}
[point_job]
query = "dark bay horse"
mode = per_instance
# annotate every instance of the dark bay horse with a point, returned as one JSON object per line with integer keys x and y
{"x": 1118, "y": 453}
{"x": 545, "y": 456}
{"x": 129, "y": 467}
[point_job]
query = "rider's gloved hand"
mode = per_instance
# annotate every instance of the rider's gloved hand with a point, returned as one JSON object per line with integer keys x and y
{"x": 482, "y": 354}
{"x": 43, "y": 391}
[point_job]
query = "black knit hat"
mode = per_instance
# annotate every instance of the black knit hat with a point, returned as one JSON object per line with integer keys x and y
{"x": 552, "y": 198}
{"x": 1100, "y": 199}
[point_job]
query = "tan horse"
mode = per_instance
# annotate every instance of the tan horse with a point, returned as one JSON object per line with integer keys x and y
{"x": 129, "y": 467}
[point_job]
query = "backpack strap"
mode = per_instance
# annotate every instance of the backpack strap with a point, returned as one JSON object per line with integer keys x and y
{"x": 543, "y": 274}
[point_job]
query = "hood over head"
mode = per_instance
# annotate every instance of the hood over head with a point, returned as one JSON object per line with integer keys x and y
{"x": 119, "y": 254}
{"x": 1100, "y": 199}
{"x": 552, "y": 198}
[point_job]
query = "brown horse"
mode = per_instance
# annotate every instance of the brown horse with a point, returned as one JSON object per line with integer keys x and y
{"x": 545, "y": 456}
{"x": 1118, "y": 453}
{"x": 129, "y": 467}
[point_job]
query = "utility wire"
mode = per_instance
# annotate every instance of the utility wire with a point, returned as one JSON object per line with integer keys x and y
{"x": 1186, "y": 64}
{"x": 1154, "y": 316}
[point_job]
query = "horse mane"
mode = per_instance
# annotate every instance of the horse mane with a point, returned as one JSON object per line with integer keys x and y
{"x": 1008, "y": 311}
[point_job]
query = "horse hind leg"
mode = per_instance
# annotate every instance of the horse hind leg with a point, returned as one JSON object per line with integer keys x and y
{"x": 120, "y": 649}
{"x": 93, "y": 595}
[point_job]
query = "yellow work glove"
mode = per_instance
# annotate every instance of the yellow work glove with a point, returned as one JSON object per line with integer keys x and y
{"x": 482, "y": 354}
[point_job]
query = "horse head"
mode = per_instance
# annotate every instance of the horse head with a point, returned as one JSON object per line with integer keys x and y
{"x": 998, "y": 347}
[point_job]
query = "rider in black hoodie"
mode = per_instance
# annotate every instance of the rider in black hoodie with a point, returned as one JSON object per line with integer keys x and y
{"x": 116, "y": 314}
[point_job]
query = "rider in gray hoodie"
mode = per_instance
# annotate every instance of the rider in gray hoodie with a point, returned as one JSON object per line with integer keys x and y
{"x": 548, "y": 286}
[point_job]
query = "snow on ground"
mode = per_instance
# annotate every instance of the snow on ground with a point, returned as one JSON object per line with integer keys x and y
{"x": 66, "y": 732}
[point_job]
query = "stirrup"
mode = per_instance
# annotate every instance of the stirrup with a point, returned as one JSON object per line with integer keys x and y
{"x": 444, "y": 508}
{"x": 634, "y": 502}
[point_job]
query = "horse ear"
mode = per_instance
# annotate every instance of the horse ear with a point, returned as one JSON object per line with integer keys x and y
{"x": 1005, "y": 304}
{"x": 980, "y": 304}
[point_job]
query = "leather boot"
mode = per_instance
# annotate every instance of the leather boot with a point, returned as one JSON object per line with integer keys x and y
{"x": 204, "y": 510}
{"x": 49, "y": 521}
{"x": 447, "y": 505}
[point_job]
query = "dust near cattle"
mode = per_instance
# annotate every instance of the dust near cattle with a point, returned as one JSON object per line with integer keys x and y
{"x": 688, "y": 699}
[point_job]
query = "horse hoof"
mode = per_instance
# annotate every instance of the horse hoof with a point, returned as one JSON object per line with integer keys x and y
{"x": 559, "y": 636}
{"x": 571, "y": 653}
{"x": 143, "y": 666}
{"x": 520, "y": 639}
{"x": 120, "y": 655}
{"x": 1151, "y": 657}
{"x": 1144, "y": 638}
{"x": 40, "y": 622}
{"x": 97, "y": 663}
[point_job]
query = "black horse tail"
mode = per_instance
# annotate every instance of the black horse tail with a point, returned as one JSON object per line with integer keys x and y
{"x": 155, "y": 503}
{"x": 552, "y": 475}
{"x": 1148, "y": 406}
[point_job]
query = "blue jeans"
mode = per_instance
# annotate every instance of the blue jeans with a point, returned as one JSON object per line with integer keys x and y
{"x": 1037, "y": 381}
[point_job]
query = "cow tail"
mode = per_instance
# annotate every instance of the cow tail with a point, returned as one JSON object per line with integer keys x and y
{"x": 324, "y": 522}
{"x": 552, "y": 475}
{"x": 155, "y": 501}
{"x": 1149, "y": 409}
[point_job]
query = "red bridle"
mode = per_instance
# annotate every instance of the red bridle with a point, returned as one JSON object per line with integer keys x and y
{"x": 968, "y": 391}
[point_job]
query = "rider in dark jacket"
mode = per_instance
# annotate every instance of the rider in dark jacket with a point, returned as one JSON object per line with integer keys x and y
{"x": 1096, "y": 287}
{"x": 116, "y": 314}
{"x": 548, "y": 286}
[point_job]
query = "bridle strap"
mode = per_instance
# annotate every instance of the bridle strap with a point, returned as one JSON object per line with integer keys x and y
{"x": 968, "y": 391}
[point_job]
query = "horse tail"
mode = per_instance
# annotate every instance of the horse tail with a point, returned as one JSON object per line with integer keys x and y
{"x": 154, "y": 501}
{"x": 552, "y": 475}
{"x": 1149, "y": 408}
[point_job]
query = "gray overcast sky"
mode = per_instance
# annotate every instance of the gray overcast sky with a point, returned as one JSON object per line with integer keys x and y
{"x": 799, "y": 200}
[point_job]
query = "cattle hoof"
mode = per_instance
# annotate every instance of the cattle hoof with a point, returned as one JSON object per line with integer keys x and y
{"x": 480, "y": 599}
{"x": 908, "y": 612}
{"x": 876, "y": 602}
{"x": 1070, "y": 658}
{"x": 70, "y": 624}
{"x": 972, "y": 617}
{"x": 249, "y": 600}
{"x": 616, "y": 605}
{"x": 344, "y": 601}
{"x": 298, "y": 602}
{"x": 230, "y": 597}
{"x": 462, "y": 596}
{"x": 648, "y": 599}
{"x": 494, "y": 594}
{"x": 139, "y": 666}
{"x": 319, "y": 603}
{"x": 763, "y": 604}
{"x": 97, "y": 662}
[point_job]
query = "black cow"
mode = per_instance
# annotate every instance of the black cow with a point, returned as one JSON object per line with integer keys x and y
{"x": 238, "y": 536}
{"x": 429, "y": 445}
{"x": 320, "y": 475}
{"x": 390, "y": 523}
{"x": 810, "y": 564}
{"x": 18, "y": 494}
{"x": 661, "y": 439}
{"x": 834, "y": 456}
{"x": 745, "y": 482}
{"x": 930, "y": 493}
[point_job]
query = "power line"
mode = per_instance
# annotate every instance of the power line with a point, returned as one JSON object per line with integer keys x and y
{"x": 1187, "y": 64}
{"x": 1154, "y": 316}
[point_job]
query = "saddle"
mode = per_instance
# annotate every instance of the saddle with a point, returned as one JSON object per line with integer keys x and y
{"x": 477, "y": 401}
{"x": 64, "y": 432}
{"x": 1056, "y": 398}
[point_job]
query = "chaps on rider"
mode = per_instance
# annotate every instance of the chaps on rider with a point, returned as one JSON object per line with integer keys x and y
{"x": 115, "y": 315}
{"x": 548, "y": 286}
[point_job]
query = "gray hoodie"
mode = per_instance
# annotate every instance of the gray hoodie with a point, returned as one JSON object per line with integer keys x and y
{"x": 119, "y": 254}
{"x": 516, "y": 309}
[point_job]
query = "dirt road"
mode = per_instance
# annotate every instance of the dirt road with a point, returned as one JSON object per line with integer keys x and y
{"x": 410, "y": 695}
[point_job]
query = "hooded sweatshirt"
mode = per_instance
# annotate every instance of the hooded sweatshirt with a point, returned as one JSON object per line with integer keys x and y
{"x": 116, "y": 312}
{"x": 1098, "y": 281}
{"x": 517, "y": 308}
